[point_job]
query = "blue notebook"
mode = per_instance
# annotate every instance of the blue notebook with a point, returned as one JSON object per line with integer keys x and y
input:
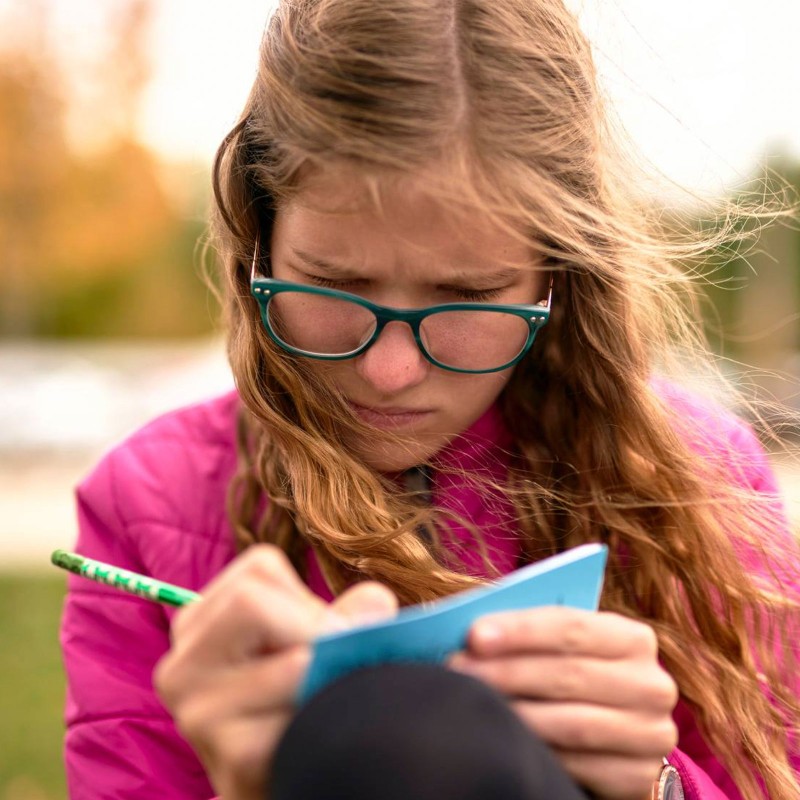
{"x": 433, "y": 631}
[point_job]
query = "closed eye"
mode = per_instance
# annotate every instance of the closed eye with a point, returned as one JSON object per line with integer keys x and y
{"x": 476, "y": 295}
{"x": 328, "y": 283}
{"x": 461, "y": 293}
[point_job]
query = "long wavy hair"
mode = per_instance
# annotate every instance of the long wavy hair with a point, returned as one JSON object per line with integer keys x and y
{"x": 500, "y": 99}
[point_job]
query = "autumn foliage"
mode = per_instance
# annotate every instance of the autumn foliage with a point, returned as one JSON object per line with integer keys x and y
{"x": 92, "y": 242}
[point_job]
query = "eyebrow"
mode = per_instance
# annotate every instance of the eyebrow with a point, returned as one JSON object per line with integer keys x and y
{"x": 489, "y": 279}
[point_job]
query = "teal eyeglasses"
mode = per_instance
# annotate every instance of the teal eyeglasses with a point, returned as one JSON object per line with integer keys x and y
{"x": 331, "y": 325}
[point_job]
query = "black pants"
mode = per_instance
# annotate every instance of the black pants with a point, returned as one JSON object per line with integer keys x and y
{"x": 414, "y": 732}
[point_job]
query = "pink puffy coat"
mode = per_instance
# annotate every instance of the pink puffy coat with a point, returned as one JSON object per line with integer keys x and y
{"x": 155, "y": 505}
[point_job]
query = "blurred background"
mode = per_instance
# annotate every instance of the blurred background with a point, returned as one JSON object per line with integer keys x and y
{"x": 110, "y": 111}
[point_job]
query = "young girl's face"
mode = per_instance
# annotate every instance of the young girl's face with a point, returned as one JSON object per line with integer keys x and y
{"x": 414, "y": 254}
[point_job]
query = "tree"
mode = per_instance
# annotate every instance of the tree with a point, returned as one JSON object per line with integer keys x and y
{"x": 90, "y": 241}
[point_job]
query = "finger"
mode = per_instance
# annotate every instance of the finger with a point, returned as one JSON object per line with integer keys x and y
{"x": 366, "y": 603}
{"x": 574, "y": 678}
{"x": 264, "y": 563}
{"x": 255, "y": 688}
{"x": 593, "y": 728}
{"x": 239, "y": 753}
{"x": 611, "y": 776}
{"x": 251, "y": 618}
{"x": 235, "y": 720}
{"x": 567, "y": 631}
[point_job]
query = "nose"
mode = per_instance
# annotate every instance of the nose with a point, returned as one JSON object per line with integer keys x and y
{"x": 394, "y": 362}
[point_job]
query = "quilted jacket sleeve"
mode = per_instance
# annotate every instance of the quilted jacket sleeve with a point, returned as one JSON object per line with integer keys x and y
{"x": 120, "y": 741}
{"x": 704, "y": 778}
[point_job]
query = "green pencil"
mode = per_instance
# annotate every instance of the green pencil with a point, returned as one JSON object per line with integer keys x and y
{"x": 122, "y": 579}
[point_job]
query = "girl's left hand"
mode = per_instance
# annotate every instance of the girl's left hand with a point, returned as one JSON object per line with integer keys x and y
{"x": 587, "y": 683}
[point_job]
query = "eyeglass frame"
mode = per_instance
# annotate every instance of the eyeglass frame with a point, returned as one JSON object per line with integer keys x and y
{"x": 264, "y": 289}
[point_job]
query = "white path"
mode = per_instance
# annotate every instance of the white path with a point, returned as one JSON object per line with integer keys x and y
{"x": 61, "y": 405}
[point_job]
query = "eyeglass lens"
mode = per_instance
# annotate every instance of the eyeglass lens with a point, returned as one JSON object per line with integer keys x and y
{"x": 472, "y": 340}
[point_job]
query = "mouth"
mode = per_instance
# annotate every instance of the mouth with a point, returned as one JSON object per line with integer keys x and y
{"x": 390, "y": 417}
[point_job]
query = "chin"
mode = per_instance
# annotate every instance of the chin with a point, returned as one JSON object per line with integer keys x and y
{"x": 397, "y": 457}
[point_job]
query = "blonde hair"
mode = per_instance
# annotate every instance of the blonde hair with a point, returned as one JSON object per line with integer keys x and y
{"x": 495, "y": 102}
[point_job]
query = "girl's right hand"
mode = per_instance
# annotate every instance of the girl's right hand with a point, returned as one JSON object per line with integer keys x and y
{"x": 238, "y": 657}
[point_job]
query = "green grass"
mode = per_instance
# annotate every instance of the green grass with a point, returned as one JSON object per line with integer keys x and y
{"x": 31, "y": 687}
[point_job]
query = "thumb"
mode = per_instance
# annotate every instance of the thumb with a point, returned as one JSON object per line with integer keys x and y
{"x": 365, "y": 603}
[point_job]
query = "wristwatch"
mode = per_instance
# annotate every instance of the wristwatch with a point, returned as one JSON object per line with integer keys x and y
{"x": 669, "y": 785}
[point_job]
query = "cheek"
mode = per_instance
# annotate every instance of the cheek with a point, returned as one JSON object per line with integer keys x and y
{"x": 336, "y": 373}
{"x": 468, "y": 396}
{"x": 475, "y": 387}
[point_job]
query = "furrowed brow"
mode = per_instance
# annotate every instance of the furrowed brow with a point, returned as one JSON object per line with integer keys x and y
{"x": 479, "y": 279}
{"x": 320, "y": 263}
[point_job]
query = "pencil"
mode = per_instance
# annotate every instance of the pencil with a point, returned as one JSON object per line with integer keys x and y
{"x": 124, "y": 580}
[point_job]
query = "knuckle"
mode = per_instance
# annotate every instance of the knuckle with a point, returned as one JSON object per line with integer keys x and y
{"x": 644, "y": 640}
{"x": 581, "y": 736}
{"x": 569, "y": 682}
{"x": 639, "y": 778}
{"x": 659, "y": 736}
{"x": 581, "y": 731}
{"x": 514, "y": 674}
{"x": 183, "y": 620}
{"x": 518, "y": 629}
{"x": 243, "y": 597}
{"x": 254, "y": 619}
{"x": 664, "y": 693}
{"x": 669, "y": 737}
{"x": 192, "y": 720}
{"x": 577, "y": 631}
{"x": 171, "y": 681}
{"x": 529, "y": 626}
{"x": 162, "y": 679}
{"x": 266, "y": 559}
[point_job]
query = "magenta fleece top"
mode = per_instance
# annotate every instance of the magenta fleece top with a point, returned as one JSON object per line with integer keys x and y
{"x": 155, "y": 505}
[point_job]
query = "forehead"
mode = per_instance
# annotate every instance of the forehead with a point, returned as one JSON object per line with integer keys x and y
{"x": 343, "y": 215}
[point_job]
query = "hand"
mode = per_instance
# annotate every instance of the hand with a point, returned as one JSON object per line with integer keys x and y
{"x": 238, "y": 657}
{"x": 587, "y": 683}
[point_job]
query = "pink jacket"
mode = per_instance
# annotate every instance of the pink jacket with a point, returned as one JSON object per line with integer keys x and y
{"x": 155, "y": 505}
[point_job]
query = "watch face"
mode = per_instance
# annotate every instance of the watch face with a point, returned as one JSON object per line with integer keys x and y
{"x": 670, "y": 786}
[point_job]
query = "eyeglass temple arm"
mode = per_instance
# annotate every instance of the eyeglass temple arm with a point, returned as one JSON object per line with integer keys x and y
{"x": 549, "y": 292}
{"x": 256, "y": 253}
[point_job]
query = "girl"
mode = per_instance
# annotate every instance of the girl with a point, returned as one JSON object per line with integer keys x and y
{"x": 449, "y": 159}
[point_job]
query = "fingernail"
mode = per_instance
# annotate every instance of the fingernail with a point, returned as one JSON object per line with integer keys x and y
{"x": 487, "y": 633}
{"x": 369, "y": 615}
{"x": 332, "y": 622}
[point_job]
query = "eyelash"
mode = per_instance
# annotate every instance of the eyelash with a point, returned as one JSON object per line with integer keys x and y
{"x": 476, "y": 295}
{"x": 464, "y": 295}
{"x": 328, "y": 283}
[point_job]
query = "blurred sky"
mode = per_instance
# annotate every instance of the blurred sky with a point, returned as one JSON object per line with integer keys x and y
{"x": 704, "y": 87}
